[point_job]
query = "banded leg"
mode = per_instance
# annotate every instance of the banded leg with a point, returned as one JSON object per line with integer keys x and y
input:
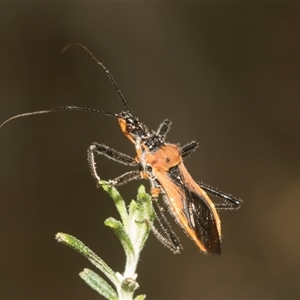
{"x": 188, "y": 148}
{"x": 164, "y": 128}
{"x": 229, "y": 202}
{"x": 109, "y": 153}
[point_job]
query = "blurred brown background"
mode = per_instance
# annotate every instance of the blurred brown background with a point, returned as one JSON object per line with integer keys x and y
{"x": 226, "y": 74}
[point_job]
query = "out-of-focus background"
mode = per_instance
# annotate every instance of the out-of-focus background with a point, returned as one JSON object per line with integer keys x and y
{"x": 226, "y": 74}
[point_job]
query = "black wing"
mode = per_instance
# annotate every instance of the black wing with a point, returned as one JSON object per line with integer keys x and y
{"x": 202, "y": 220}
{"x": 198, "y": 213}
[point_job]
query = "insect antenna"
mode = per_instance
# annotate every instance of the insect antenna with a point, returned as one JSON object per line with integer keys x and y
{"x": 46, "y": 111}
{"x": 109, "y": 75}
{"x": 78, "y": 108}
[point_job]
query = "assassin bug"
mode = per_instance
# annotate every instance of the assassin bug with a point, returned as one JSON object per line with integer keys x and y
{"x": 162, "y": 164}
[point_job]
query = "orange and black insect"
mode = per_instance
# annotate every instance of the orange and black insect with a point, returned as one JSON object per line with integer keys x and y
{"x": 162, "y": 164}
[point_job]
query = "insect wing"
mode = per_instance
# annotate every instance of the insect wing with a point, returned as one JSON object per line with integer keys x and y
{"x": 203, "y": 222}
{"x": 202, "y": 214}
{"x": 192, "y": 210}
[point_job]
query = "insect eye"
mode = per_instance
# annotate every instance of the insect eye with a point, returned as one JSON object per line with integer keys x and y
{"x": 129, "y": 128}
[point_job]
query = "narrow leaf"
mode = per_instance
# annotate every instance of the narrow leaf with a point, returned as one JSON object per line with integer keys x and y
{"x": 118, "y": 229}
{"x": 80, "y": 247}
{"x": 98, "y": 284}
{"x": 140, "y": 297}
{"x": 118, "y": 200}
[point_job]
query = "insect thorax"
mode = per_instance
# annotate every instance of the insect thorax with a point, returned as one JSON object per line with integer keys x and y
{"x": 139, "y": 133}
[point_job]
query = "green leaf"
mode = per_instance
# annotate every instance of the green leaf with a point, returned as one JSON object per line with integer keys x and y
{"x": 132, "y": 231}
{"x": 119, "y": 230}
{"x": 80, "y": 247}
{"x": 118, "y": 200}
{"x": 140, "y": 297}
{"x": 98, "y": 284}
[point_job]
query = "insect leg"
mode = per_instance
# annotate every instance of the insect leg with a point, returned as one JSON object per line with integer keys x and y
{"x": 229, "y": 202}
{"x": 188, "y": 148}
{"x": 126, "y": 177}
{"x": 109, "y": 153}
{"x": 164, "y": 128}
{"x": 169, "y": 239}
